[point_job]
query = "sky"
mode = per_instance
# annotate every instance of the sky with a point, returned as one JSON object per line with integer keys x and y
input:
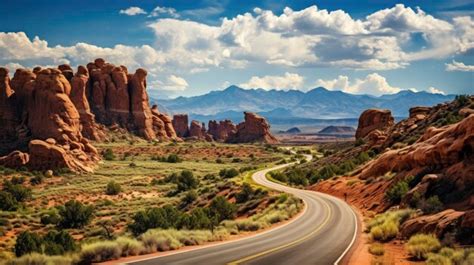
{"x": 192, "y": 47}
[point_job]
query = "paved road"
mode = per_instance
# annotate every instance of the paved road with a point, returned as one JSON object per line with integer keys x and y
{"x": 322, "y": 234}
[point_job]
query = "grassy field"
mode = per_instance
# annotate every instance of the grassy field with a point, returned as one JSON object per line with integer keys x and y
{"x": 137, "y": 168}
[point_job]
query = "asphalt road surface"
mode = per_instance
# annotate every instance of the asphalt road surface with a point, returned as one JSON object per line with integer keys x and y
{"x": 322, "y": 234}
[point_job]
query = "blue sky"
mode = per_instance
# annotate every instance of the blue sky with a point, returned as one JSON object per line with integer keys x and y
{"x": 192, "y": 47}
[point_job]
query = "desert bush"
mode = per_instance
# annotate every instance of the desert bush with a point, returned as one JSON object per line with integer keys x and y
{"x": 245, "y": 194}
{"x": 248, "y": 225}
{"x": 58, "y": 242}
{"x": 19, "y": 192}
{"x": 28, "y": 242}
{"x": 395, "y": 193}
{"x": 113, "y": 188}
{"x": 109, "y": 154}
{"x": 451, "y": 256}
{"x": 189, "y": 198}
{"x": 228, "y": 173}
{"x": 50, "y": 217}
{"x": 384, "y": 227}
{"x": 8, "y": 202}
{"x": 431, "y": 205}
{"x": 359, "y": 142}
{"x": 222, "y": 209}
{"x": 186, "y": 181}
{"x": 419, "y": 245}
{"x": 36, "y": 180}
{"x": 99, "y": 252}
{"x": 376, "y": 249}
{"x": 164, "y": 217}
{"x": 74, "y": 214}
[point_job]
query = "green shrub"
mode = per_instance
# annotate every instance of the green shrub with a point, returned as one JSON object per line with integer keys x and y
{"x": 164, "y": 217}
{"x": 113, "y": 188}
{"x": 173, "y": 158}
{"x": 359, "y": 142}
{"x": 8, "y": 202}
{"x": 395, "y": 193}
{"x": 431, "y": 205}
{"x": 189, "y": 198}
{"x": 99, "y": 252}
{"x": 420, "y": 245}
{"x": 376, "y": 249}
{"x": 186, "y": 181}
{"x": 28, "y": 242}
{"x": 109, "y": 154}
{"x": 58, "y": 242}
{"x": 222, "y": 209}
{"x": 19, "y": 192}
{"x": 74, "y": 214}
{"x": 229, "y": 173}
{"x": 245, "y": 194}
{"x": 50, "y": 217}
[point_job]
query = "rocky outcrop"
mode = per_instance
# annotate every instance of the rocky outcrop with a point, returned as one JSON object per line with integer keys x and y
{"x": 438, "y": 147}
{"x": 254, "y": 129}
{"x": 15, "y": 159}
{"x": 436, "y": 224}
{"x": 222, "y": 130}
{"x": 8, "y": 117}
{"x": 162, "y": 125}
{"x": 181, "y": 125}
{"x": 373, "y": 119}
{"x": 78, "y": 97}
{"x": 197, "y": 131}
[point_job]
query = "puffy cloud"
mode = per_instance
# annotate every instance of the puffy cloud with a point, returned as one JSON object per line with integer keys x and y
{"x": 163, "y": 11}
{"x": 433, "y": 90}
{"x": 286, "y": 81}
{"x": 372, "y": 84}
{"x": 459, "y": 66}
{"x": 172, "y": 83}
{"x": 132, "y": 11}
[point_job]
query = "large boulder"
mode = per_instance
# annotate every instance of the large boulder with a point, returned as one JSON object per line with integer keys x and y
{"x": 15, "y": 159}
{"x": 254, "y": 129}
{"x": 373, "y": 119}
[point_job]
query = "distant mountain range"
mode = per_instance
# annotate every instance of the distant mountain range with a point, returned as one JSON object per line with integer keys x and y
{"x": 294, "y": 106}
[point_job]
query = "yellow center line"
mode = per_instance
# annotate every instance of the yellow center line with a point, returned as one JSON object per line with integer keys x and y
{"x": 326, "y": 220}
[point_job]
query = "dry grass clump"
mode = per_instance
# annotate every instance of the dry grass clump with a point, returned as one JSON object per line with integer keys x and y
{"x": 384, "y": 227}
{"x": 420, "y": 245}
{"x": 376, "y": 249}
{"x": 100, "y": 251}
{"x": 41, "y": 259}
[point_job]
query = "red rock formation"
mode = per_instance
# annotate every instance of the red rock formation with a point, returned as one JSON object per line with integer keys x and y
{"x": 180, "y": 124}
{"x": 141, "y": 112}
{"x": 66, "y": 70}
{"x": 15, "y": 159}
{"x": 254, "y": 129}
{"x": 437, "y": 224}
{"x": 78, "y": 97}
{"x": 196, "y": 131}
{"x": 162, "y": 125}
{"x": 222, "y": 131}
{"x": 373, "y": 119}
{"x": 8, "y": 117}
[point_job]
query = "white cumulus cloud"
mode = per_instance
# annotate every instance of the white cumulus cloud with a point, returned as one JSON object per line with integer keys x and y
{"x": 164, "y": 11}
{"x": 372, "y": 84}
{"x": 434, "y": 90}
{"x": 132, "y": 11}
{"x": 459, "y": 66}
{"x": 286, "y": 81}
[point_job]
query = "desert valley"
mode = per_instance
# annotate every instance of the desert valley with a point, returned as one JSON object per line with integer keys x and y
{"x": 109, "y": 156}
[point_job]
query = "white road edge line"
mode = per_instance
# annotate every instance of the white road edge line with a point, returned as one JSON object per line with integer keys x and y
{"x": 353, "y": 237}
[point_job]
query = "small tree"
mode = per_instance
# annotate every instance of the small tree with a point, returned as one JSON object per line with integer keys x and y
{"x": 74, "y": 214}
{"x": 189, "y": 197}
{"x": 27, "y": 242}
{"x": 20, "y": 193}
{"x": 58, "y": 242}
{"x": 222, "y": 209}
{"x": 186, "y": 181}
{"x": 113, "y": 188}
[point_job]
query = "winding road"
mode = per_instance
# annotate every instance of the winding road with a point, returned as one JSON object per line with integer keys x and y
{"x": 322, "y": 234}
